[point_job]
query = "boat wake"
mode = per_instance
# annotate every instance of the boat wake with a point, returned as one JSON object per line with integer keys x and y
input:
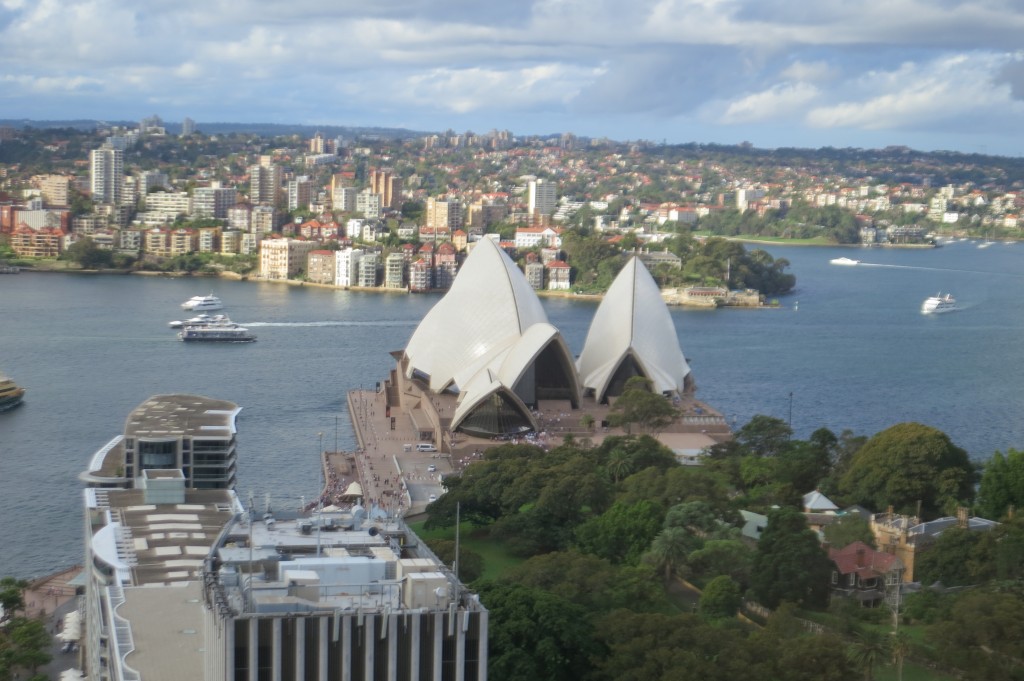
{"x": 384, "y": 323}
{"x": 938, "y": 269}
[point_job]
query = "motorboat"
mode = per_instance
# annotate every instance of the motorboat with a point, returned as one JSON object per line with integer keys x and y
{"x": 203, "y": 320}
{"x": 202, "y": 303}
{"x": 844, "y": 261}
{"x": 217, "y": 334}
{"x": 10, "y": 393}
{"x": 939, "y": 304}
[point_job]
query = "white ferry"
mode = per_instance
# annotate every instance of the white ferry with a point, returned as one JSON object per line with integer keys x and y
{"x": 202, "y": 303}
{"x": 939, "y": 304}
{"x": 217, "y": 334}
{"x": 844, "y": 261}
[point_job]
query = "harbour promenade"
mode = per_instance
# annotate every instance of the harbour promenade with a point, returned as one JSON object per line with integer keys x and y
{"x": 397, "y": 478}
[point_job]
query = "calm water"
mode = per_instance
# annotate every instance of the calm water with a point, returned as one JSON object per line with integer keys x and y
{"x": 855, "y": 354}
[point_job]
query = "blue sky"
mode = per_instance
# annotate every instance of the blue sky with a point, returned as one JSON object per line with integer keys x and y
{"x": 929, "y": 74}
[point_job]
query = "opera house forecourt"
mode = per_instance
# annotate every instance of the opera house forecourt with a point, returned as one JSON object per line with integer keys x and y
{"x": 485, "y": 363}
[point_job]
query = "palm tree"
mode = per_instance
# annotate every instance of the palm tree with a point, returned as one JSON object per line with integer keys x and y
{"x": 899, "y": 647}
{"x": 871, "y": 648}
{"x": 669, "y": 550}
{"x": 620, "y": 464}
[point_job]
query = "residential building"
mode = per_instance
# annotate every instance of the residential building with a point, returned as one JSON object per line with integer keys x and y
{"x": 284, "y": 258}
{"x": 542, "y": 198}
{"x": 27, "y": 242}
{"x": 188, "y": 127}
{"x": 444, "y": 213}
{"x": 213, "y": 201}
{"x": 394, "y": 270}
{"x": 300, "y": 192}
{"x": 231, "y": 242}
{"x": 209, "y": 239}
{"x": 532, "y": 237}
{"x": 558, "y": 275}
{"x": 868, "y": 576}
{"x": 321, "y": 267}
{"x": 420, "y": 276}
{"x": 369, "y": 204}
{"x": 55, "y": 189}
{"x": 534, "y": 271}
{"x": 906, "y": 536}
{"x": 240, "y": 217}
{"x": 264, "y": 219}
{"x": 168, "y": 205}
{"x": 369, "y": 264}
{"x": 388, "y": 186}
{"x": 264, "y": 183}
{"x": 446, "y": 266}
{"x": 106, "y": 175}
{"x": 344, "y": 199}
{"x": 346, "y": 270}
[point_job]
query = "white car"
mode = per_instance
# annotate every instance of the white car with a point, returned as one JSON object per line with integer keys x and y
{"x": 432, "y": 498}
{"x": 431, "y": 468}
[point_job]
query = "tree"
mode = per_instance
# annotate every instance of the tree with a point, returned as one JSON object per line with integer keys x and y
{"x": 790, "y": 564}
{"x": 11, "y": 597}
{"x": 638, "y": 405}
{"x": 535, "y": 634}
{"x": 906, "y": 465}
{"x": 730, "y": 557}
{"x": 622, "y": 533}
{"x": 471, "y": 563}
{"x": 669, "y": 550}
{"x": 871, "y": 648}
{"x": 1002, "y": 484}
{"x": 720, "y": 599}
{"x": 24, "y": 644}
{"x": 86, "y": 253}
{"x": 765, "y": 435}
{"x": 955, "y": 559}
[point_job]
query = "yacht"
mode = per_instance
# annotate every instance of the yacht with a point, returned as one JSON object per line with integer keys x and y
{"x": 202, "y": 303}
{"x": 844, "y": 261}
{"x": 203, "y": 320}
{"x": 217, "y": 334}
{"x": 10, "y": 394}
{"x": 938, "y": 304}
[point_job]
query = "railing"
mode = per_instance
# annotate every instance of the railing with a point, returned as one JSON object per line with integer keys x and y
{"x": 123, "y": 643}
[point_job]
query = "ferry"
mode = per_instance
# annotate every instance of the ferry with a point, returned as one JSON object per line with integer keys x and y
{"x": 938, "y": 304}
{"x": 217, "y": 334}
{"x": 202, "y": 303}
{"x": 844, "y": 261}
{"x": 10, "y": 394}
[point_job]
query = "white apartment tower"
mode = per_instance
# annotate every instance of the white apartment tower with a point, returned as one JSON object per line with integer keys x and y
{"x": 106, "y": 175}
{"x": 264, "y": 181}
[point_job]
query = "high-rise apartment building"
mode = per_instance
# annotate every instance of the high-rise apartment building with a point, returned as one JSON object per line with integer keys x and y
{"x": 213, "y": 202}
{"x": 388, "y": 186}
{"x": 542, "y": 199}
{"x": 444, "y": 213}
{"x": 188, "y": 127}
{"x": 106, "y": 175}
{"x": 300, "y": 192}
{"x": 264, "y": 183}
{"x": 346, "y": 268}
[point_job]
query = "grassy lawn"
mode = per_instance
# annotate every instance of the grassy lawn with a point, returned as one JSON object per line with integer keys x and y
{"x": 477, "y": 539}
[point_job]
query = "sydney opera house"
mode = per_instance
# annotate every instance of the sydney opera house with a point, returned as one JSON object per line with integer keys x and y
{"x": 485, "y": 363}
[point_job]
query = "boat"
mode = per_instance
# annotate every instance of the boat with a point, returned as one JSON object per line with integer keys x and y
{"x": 217, "y": 334}
{"x": 938, "y": 304}
{"x": 202, "y": 303}
{"x": 844, "y": 261}
{"x": 9, "y": 269}
{"x": 203, "y": 320}
{"x": 10, "y": 393}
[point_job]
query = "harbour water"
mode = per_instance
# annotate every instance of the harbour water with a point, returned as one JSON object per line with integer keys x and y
{"x": 848, "y": 349}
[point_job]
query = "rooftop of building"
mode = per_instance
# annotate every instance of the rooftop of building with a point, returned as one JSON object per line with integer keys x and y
{"x": 191, "y": 416}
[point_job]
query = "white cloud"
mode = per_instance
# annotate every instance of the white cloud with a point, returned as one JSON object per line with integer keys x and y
{"x": 918, "y": 94}
{"x": 778, "y": 102}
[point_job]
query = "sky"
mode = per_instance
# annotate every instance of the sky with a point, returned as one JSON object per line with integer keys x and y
{"x": 927, "y": 74}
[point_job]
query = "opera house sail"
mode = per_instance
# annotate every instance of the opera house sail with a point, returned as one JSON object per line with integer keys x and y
{"x": 489, "y": 342}
{"x": 632, "y": 335}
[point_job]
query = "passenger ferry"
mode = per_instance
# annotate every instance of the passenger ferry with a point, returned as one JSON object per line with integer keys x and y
{"x": 938, "y": 304}
{"x": 217, "y": 333}
{"x": 10, "y": 394}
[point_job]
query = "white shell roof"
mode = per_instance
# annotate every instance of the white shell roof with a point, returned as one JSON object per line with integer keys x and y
{"x": 488, "y": 308}
{"x": 507, "y": 366}
{"x": 633, "y": 319}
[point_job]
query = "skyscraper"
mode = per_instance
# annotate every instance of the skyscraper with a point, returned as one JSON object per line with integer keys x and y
{"x": 542, "y": 198}
{"x": 106, "y": 175}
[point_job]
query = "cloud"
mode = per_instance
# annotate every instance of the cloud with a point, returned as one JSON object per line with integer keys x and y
{"x": 778, "y": 102}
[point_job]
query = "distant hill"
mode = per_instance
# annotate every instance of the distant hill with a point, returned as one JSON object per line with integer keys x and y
{"x": 263, "y": 129}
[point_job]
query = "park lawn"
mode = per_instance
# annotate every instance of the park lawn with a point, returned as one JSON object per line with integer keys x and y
{"x": 497, "y": 561}
{"x": 911, "y": 672}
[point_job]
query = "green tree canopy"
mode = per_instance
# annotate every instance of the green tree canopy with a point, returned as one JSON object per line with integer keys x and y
{"x": 1002, "y": 485}
{"x": 790, "y": 564}
{"x": 622, "y": 533}
{"x": 721, "y": 599}
{"x": 907, "y": 464}
{"x": 534, "y": 634}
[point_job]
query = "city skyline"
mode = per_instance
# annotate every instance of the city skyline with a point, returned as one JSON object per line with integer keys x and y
{"x": 929, "y": 76}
